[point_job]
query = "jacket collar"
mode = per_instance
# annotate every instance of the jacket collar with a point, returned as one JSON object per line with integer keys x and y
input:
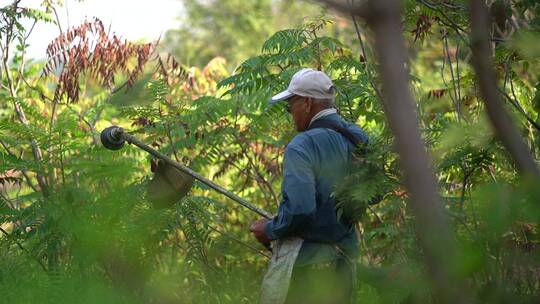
{"x": 323, "y": 113}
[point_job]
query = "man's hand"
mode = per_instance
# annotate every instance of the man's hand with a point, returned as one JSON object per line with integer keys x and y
{"x": 257, "y": 228}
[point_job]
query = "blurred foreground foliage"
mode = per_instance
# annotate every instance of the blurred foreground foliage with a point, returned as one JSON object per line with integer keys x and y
{"x": 77, "y": 227}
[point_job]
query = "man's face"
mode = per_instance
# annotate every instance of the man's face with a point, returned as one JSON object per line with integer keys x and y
{"x": 300, "y": 109}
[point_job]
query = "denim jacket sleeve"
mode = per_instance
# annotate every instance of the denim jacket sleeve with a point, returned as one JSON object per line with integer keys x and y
{"x": 298, "y": 205}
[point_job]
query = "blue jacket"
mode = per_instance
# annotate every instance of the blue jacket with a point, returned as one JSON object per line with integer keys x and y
{"x": 315, "y": 161}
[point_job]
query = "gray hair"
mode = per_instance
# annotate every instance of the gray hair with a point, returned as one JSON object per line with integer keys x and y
{"x": 325, "y": 102}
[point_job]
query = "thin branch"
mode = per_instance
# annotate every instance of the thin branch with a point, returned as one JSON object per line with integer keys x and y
{"x": 18, "y": 109}
{"x": 24, "y": 173}
{"x": 202, "y": 252}
{"x": 95, "y": 133}
{"x": 261, "y": 177}
{"x": 453, "y": 6}
{"x": 23, "y": 61}
{"x": 457, "y": 72}
{"x": 120, "y": 87}
{"x": 500, "y": 120}
{"x": 443, "y": 67}
{"x": 456, "y": 100}
{"x": 8, "y": 201}
{"x": 362, "y": 47}
{"x": 238, "y": 241}
{"x": 514, "y": 101}
{"x": 57, "y": 18}
{"x": 168, "y": 133}
{"x": 319, "y": 59}
{"x": 375, "y": 214}
{"x": 520, "y": 109}
{"x": 466, "y": 176}
{"x": 23, "y": 249}
{"x": 37, "y": 89}
{"x": 349, "y": 106}
{"x": 446, "y": 20}
{"x": 54, "y": 111}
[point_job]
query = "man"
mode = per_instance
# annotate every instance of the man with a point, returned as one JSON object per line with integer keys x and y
{"x": 324, "y": 246}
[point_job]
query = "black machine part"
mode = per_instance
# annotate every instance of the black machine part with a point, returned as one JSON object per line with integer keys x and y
{"x": 112, "y": 138}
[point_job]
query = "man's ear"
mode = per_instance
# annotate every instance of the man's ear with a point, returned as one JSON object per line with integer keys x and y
{"x": 309, "y": 104}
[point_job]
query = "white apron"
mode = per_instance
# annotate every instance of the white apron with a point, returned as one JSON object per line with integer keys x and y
{"x": 276, "y": 281}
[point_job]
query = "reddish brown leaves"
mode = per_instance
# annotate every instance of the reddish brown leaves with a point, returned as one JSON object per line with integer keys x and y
{"x": 90, "y": 51}
{"x": 9, "y": 178}
{"x": 423, "y": 27}
{"x": 266, "y": 154}
{"x": 171, "y": 70}
{"x": 437, "y": 93}
{"x": 143, "y": 122}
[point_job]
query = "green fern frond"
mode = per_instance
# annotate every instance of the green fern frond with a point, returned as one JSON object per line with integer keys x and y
{"x": 157, "y": 90}
{"x": 284, "y": 41}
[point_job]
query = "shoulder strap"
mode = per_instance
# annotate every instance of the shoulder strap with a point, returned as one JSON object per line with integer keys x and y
{"x": 333, "y": 125}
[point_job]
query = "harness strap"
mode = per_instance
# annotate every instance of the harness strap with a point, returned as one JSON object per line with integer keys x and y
{"x": 333, "y": 125}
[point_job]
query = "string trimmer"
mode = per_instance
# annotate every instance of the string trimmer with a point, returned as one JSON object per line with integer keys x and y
{"x": 114, "y": 138}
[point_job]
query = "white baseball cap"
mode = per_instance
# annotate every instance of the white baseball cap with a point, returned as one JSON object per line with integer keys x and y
{"x": 307, "y": 83}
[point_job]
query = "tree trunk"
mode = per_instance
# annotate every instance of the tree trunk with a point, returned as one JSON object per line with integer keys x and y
{"x": 434, "y": 234}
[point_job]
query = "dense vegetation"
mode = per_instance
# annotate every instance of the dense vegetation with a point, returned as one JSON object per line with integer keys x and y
{"x": 76, "y": 224}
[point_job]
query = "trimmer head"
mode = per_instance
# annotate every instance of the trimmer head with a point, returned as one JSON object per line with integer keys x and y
{"x": 112, "y": 138}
